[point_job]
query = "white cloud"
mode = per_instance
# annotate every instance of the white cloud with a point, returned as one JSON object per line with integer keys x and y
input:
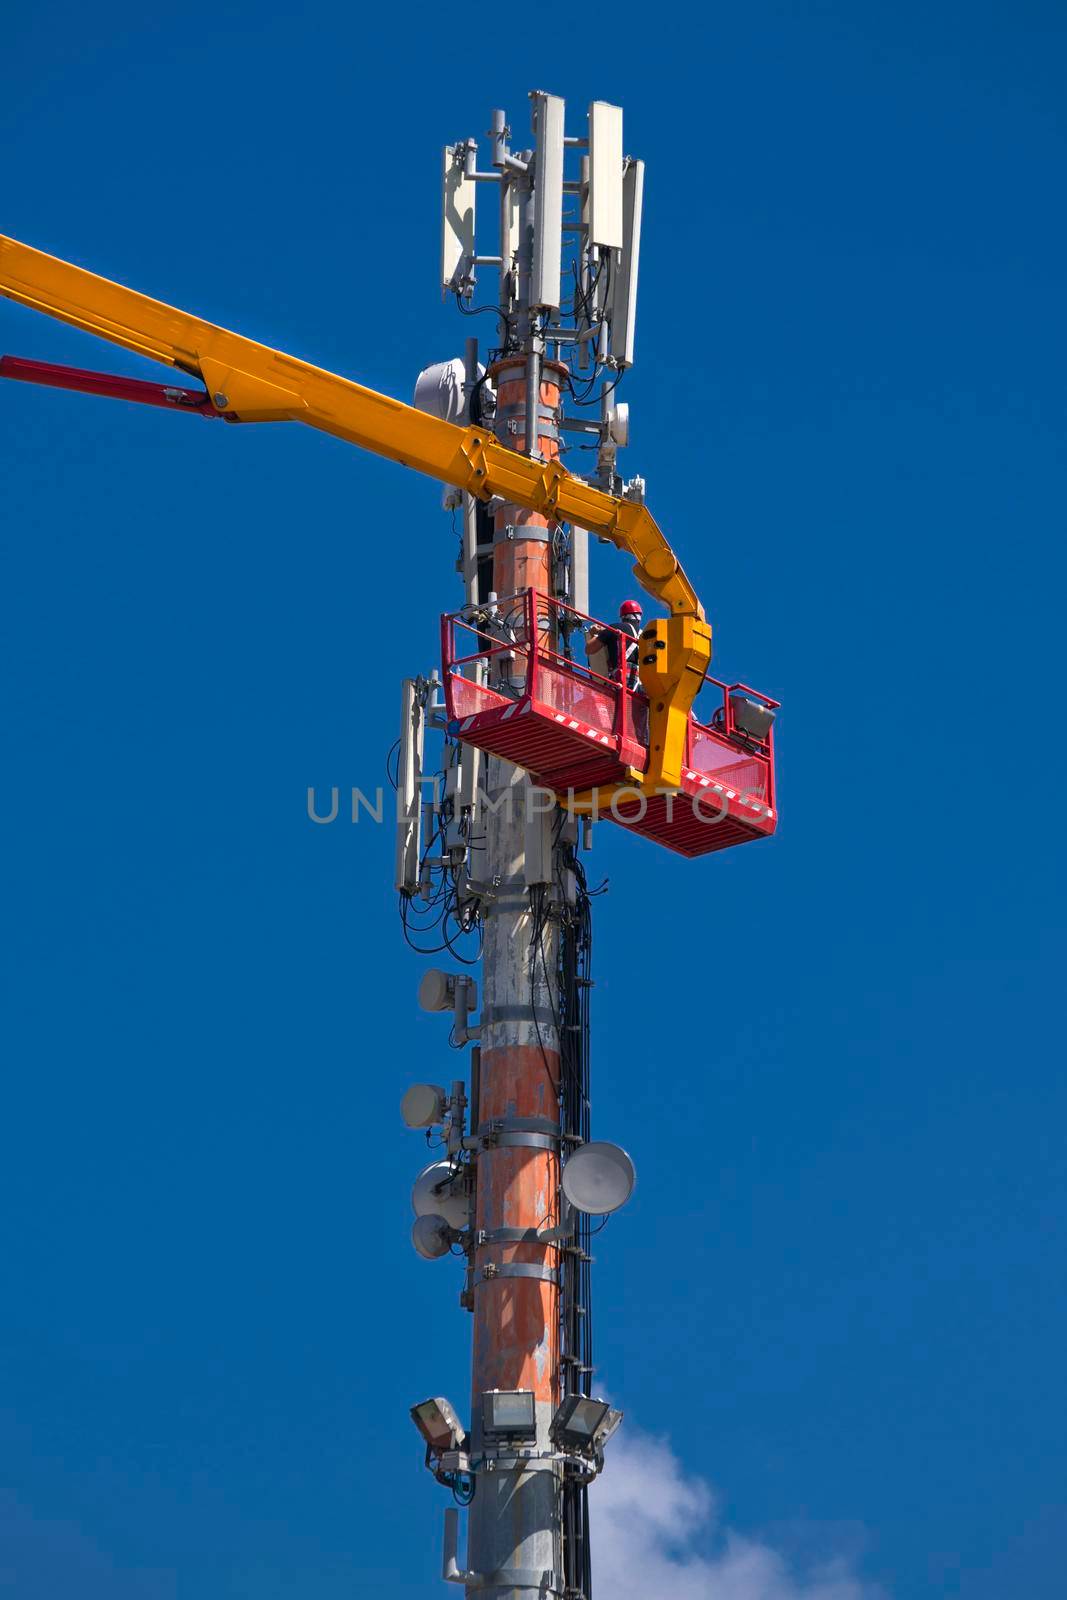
{"x": 650, "y": 1524}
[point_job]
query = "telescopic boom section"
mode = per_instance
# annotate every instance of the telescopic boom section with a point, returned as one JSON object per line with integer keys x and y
{"x": 249, "y": 382}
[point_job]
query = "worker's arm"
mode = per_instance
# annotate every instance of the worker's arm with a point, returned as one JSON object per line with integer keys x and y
{"x": 248, "y": 382}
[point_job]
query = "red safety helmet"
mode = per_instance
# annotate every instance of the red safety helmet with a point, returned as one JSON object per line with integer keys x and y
{"x": 630, "y": 608}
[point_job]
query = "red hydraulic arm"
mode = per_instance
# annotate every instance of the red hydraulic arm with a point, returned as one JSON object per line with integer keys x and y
{"x": 105, "y": 383}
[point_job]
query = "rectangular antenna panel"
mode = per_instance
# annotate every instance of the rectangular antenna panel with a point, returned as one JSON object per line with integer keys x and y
{"x": 511, "y": 217}
{"x": 605, "y": 175}
{"x": 548, "y": 203}
{"x": 580, "y": 569}
{"x": 470, "y": 774}
{"x": 581, "y": 317}
{"x": 537, "y": 846}
{"x": 409, "y": 790}
{"x": 457, "y": 223}
{"x": 624, "y": 297}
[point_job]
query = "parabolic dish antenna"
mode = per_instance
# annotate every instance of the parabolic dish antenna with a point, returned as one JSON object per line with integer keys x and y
{"x": 423, "y": 1105}
{"x": 598, "y": 1178}
{"x": 431, "y": 1237}
{"x": 435, "y": 1195}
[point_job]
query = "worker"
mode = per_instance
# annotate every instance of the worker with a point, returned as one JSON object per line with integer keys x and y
{"x": 613, "y": 651}
{"x": 630, "y": 628}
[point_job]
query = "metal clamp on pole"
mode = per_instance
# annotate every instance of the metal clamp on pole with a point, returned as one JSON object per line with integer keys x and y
{"x": 517, "y": 1141}
{"x": 513, "y": 1269}
{"x": 542, "y": 1581}
{"x": 527, "y": 532}
{"x": 486, "y": 1236}
{"x": 519, "y": 1125}
{"x": 543, "y": 1016}
{"x": 529, "y": 1133}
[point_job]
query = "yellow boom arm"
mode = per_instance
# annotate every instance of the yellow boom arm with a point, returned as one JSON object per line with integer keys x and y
{"x": 249, "y": 382}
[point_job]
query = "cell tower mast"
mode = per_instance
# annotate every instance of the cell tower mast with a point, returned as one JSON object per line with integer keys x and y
{"x": 536, "y": 1435}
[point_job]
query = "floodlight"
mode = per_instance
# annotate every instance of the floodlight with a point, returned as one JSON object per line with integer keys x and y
{"x": 423, "y": 1105}
{"x": 436, "y": 1420}
{"x": 583, "y": 1424}
{"x": 432, "y": 1237}
{"x": 598, "y": 1178}
{"x": 438, "y": 1192}
{"x": 752, "y": 718}
{"x": 509, "y": 1414}
{"x": 575, "y": 1424}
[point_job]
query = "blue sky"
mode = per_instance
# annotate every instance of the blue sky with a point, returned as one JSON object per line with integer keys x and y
{"x": 837, "y": 1292}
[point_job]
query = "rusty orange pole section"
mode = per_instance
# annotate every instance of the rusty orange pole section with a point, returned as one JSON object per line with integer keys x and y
{"x": 514, "y": 1526}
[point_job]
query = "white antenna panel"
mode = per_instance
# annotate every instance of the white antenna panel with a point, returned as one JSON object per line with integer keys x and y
{"x": 624, "y": 297}
{"x": 605, "y": 175}
{"x": 548, "y": 202}
{"x": 457, "y": 223}
{"x": 583, "y": 357}
{"x": 514, "y": 237}
{"x": 409, "y": 790}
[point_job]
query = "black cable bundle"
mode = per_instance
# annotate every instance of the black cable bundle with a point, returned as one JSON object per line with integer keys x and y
{"x": 440, "y": 915}
{"x": 576, "y": 1309}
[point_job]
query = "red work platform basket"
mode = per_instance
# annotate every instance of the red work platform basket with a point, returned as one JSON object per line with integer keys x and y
{"x": 515, "y": 687}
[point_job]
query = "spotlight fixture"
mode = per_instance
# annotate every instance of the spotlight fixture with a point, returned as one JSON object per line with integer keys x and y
{"x": 583, "y": 1424}
{"x": 508, "y": 1415}
{"x": 751, "y": 717}
{"x": 436, "y": 1420}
